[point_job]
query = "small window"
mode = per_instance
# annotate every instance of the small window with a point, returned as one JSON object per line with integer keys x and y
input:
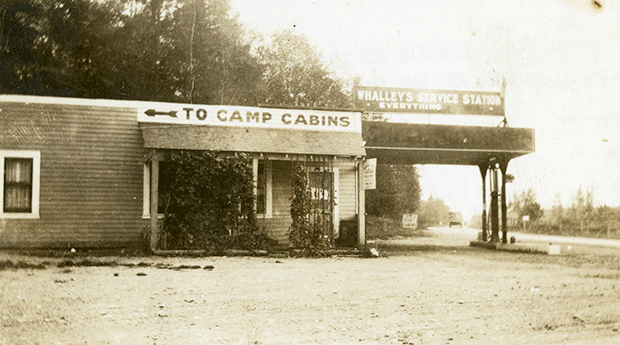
{"x": 20, "y": 184}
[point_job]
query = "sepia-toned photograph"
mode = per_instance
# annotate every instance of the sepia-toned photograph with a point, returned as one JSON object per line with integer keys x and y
{"x": 309, "y": 172}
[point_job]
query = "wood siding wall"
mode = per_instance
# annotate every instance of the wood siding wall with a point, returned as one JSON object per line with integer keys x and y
{"x": 278, "y": 226}
{"x": 347, "y": 194}
{"x": 91, "y": 174}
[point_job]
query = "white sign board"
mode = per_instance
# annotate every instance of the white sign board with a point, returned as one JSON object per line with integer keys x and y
{"x": 220, "y": 115}
{"x": 377, "y": 99}
{"x": 410, "y": 221}
{"x": 526, "y": 218}
{"x": 370, "y": 173}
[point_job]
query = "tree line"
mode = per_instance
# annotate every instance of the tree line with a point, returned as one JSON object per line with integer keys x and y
{"x": 581, "y": 218}
{"x": 186, "y": 51}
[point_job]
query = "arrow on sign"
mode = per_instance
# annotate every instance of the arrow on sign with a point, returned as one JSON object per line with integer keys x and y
{"x": 153, "y": 112}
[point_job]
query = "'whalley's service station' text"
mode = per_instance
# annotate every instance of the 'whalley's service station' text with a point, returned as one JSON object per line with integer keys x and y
{"x": 425, "y": 100}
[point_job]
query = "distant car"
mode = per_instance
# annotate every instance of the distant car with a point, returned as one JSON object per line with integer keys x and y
{"x": 456, "y": 218}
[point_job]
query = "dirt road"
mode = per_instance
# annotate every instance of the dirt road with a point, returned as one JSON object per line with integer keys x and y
{"x": 432, "y": 293}
{"x": 461, "y": 237}
{"x": 471, "y": 234}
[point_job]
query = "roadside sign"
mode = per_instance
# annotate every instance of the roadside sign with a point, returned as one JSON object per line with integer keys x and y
{"x": 370, "y": 173}
{"x": 410, "y": 221}
{"x": 420, "y": 101}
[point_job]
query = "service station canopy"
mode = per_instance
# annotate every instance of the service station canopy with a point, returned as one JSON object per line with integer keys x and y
{"x": 403, "y": 143}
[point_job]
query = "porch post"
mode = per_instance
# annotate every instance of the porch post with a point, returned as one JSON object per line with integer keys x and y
{"x": 504, "y": 167}
{"x": 494, "y": 206}
{"x": 361, "y": 214}
{"x": 154, "y": 201}
{"x": 483, "y": 172}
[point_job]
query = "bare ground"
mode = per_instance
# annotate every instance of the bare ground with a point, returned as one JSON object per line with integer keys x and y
{"x": 431, "y": 291}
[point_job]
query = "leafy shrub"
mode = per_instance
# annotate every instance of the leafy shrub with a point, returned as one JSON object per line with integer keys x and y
{"x": 208, "y": 200}
{"x": 381, "y": 228}
{"x": 255, "y": 241}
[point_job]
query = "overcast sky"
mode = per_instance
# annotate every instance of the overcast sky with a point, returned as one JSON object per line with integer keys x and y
{"x": 560, "y": 60}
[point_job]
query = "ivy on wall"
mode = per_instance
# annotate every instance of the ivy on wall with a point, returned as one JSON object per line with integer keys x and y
{"x": 208, "y": 202}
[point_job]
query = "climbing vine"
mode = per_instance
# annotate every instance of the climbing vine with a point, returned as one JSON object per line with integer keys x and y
{"x": 303, "y": 234}
{"x": 208, "y": 202}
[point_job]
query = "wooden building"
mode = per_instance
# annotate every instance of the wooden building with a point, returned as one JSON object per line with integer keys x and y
{"x": 80, "y": 173}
